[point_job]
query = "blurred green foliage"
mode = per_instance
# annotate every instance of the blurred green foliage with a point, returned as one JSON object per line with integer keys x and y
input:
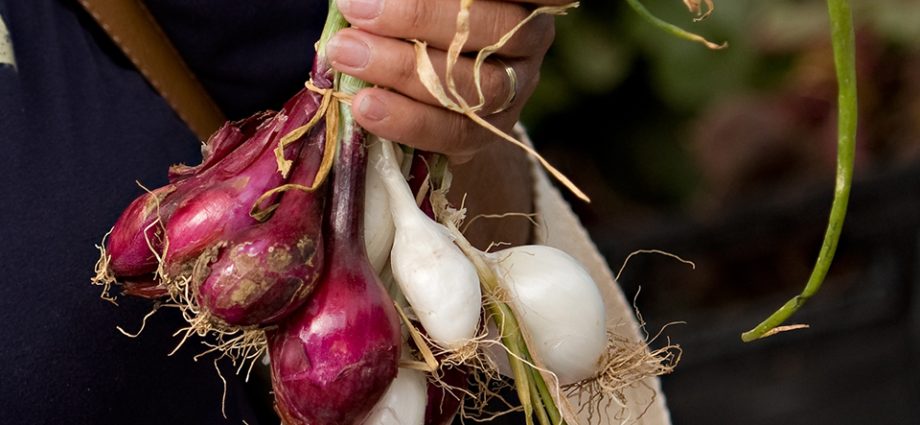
{"x": 624, "y": 99}
{"x": 598, "y": 44}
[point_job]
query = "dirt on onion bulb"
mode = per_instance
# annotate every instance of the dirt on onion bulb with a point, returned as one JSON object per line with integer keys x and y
{"x": 269, "y": 269}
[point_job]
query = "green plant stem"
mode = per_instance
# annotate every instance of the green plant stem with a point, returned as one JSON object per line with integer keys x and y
{"x": 527, "y": 380}
{"x": 842, "y": 35}
{"x": 671, "y": 28}
{"x": 538, "y": 408}
{"x": 349, "y": 85}
{"x": 504, "y": 320}
{"x": 510, "y": 332}
{"x": 554, "y": 416}
{"x": 334, "y": 22}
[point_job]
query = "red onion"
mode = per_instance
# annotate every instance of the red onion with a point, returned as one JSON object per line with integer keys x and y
{"x": 136, "y": 235}
{"x": 335, "y": 357}
{"x": 230, "y": 136}
{"x": 208, "y": 203}
{"x": 268, "y": 270}
{"x": 219, "y": 204}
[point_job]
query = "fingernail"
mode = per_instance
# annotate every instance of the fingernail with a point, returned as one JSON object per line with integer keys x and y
{"x": 372, "y": 108}
{"x": 361, "y": 9}
{"x": 345, "y": 50}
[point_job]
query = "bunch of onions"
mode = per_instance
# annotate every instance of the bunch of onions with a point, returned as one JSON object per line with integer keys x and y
{"x": 257, "y": 239}
{"x": 199, "y": 229}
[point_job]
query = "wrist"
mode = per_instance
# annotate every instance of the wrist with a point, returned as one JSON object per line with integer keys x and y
{"x": 498, "y": 180}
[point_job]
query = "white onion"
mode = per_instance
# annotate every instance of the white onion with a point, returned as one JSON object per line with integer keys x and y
{"x": 559, "y": 306}
{"x": 437, "y": 279}
{"x": 403, "y": 403}
{"x": 378, "y": 222}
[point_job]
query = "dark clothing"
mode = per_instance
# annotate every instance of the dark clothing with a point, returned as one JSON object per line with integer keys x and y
{"x": 78, "y": 127}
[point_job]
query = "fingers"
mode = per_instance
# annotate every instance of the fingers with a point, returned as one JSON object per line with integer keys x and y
{"x": 434, "y": 21}
{"x": 396, "y": 117}
{"x": 375, "y": 51}
{"x": 389, "y": 62}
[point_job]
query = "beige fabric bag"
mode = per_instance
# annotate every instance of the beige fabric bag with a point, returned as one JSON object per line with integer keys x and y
{"x": 559, "y": 227}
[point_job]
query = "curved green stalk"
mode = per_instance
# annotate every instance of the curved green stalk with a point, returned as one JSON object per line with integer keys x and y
{"x": 671, "y": 28}
{"x": 841, "y": 19}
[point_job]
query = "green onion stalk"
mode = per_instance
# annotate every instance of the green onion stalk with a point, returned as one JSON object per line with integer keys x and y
{"x": 843, "y": 39}
{"x": 532, "y": 390}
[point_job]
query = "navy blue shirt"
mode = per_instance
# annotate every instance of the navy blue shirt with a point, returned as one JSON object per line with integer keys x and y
{"x": 78, "y": 127}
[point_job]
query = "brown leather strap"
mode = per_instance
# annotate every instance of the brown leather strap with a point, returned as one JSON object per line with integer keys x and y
{"x": 135, "y": 31}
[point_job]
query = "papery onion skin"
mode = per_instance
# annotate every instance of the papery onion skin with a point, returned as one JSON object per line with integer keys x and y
{"x": 224, "y": 141}
{"x": 558, "y": 304}
{"x": 137, "y": 237}
{"x": 220, "y": 205}
{"x": 268, "y": 270}
{"x": 333, "y": 359}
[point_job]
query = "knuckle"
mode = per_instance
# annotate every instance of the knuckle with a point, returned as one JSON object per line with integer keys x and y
{"x": 405, "y": 69}
{"x": 417, "y": 15}
{"x": 450, "y": 136}
{"x": 505, "y": 20}
{"x": 458, "y": 130}
{"x": 495, "y": 83}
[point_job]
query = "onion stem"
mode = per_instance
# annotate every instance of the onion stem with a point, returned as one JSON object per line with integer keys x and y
{"x": 542, "y": 418}
{"x": 334, "y": 22}
{"x": 843, "y": 39}
{"x": 671, "y": 28}
{"x": 554, "y": 416}
{"x": 531, "y": 387}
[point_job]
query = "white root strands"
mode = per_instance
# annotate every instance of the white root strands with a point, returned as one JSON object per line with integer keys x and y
{"x": 626, "y": 365}
{"x": 104, "y": 276}
{"x": 652, "y": 251}
{"x": 616, "y": 366}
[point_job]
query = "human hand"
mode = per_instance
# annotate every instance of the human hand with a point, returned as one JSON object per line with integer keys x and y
{"x": 375, "y": 50}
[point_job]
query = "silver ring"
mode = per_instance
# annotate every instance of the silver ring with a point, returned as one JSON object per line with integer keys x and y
{"x": 512, "y": 88}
